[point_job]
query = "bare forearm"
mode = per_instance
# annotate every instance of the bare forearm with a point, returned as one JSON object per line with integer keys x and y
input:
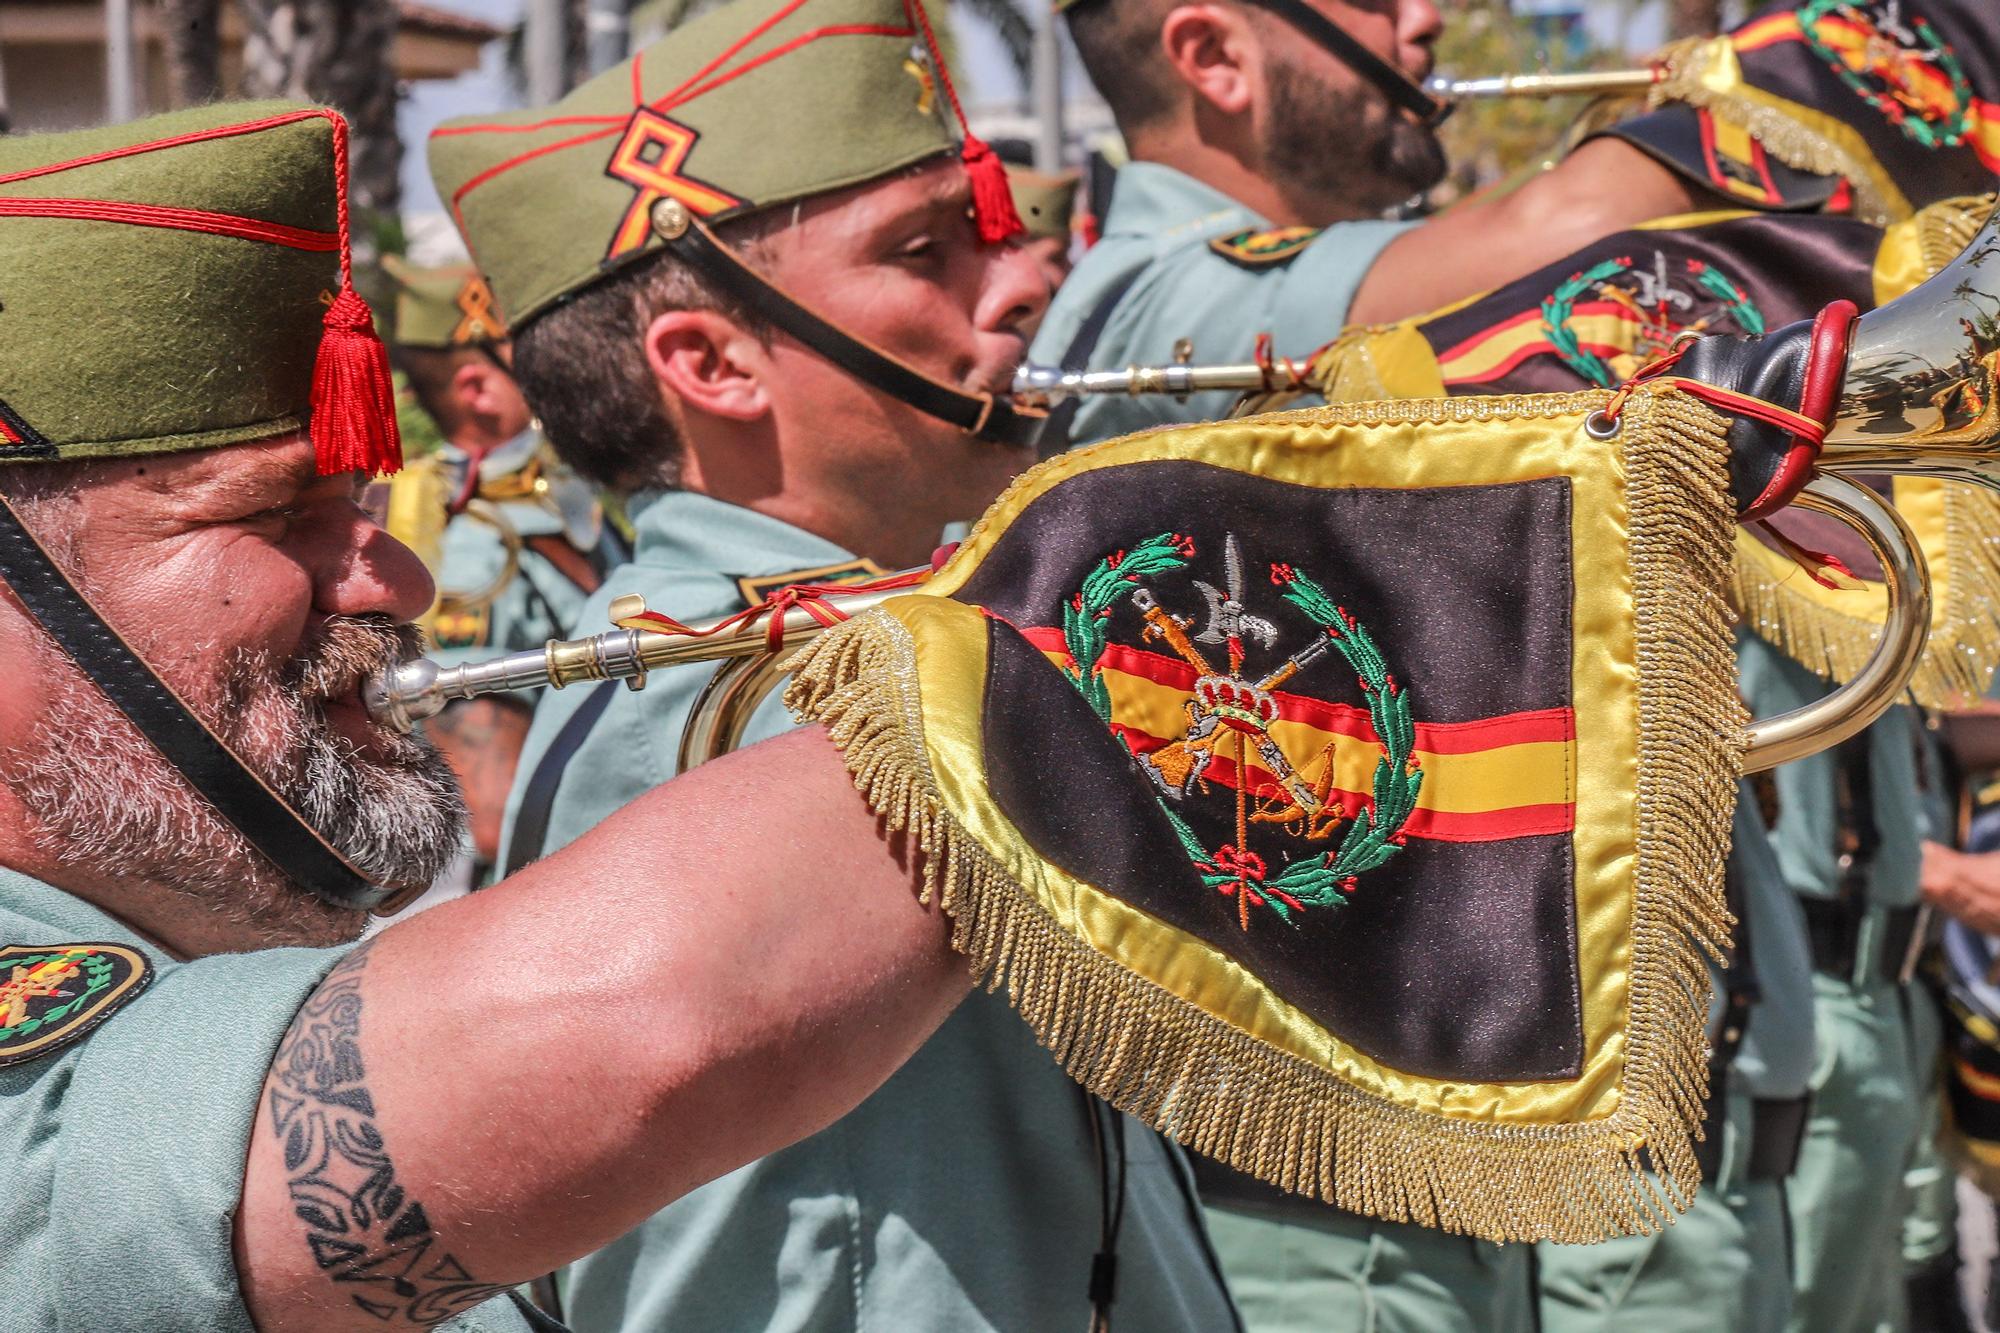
{"x": 1603, "y": 187}
{"x": 725, "y": 966}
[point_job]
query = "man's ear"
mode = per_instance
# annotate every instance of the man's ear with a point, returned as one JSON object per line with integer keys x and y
{"x": 1210, "y": 49}
{"x": 710, "y": 363}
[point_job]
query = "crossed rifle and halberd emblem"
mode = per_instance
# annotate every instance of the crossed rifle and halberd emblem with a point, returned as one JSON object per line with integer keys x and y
{"x": 1230, "y": 718}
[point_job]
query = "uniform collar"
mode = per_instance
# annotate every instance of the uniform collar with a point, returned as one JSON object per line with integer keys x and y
{"x": 684, "y": 530}
{"x": 1157, "y": 202}
{"x": 66, "y": 916}
{"x": 501, "y": 461}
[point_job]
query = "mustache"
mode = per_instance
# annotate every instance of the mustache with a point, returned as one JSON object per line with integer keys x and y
{"x": 346, "y": 652}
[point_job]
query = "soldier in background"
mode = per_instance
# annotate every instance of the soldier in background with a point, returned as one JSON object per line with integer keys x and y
{"x": 516, "y": 540}
{"x": 1047, "y": 205}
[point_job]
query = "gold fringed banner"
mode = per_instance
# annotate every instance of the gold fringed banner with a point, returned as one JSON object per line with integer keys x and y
{"x": 1708, "y": 74}
{"x": 1040, "y": 789}
{"x": 1832, "y": 631}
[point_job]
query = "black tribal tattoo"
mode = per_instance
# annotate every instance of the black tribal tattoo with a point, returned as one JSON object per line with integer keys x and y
{"x": 362, "y": 1226}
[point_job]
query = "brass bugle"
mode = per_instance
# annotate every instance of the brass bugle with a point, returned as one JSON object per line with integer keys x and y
{"x": 1044, "y": 386}
{"x": 409, "y": 692}
{"x": 1580, "y": 83}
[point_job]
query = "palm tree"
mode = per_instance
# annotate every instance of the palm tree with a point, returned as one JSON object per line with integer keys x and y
{"x": 190, "y": 30}
{"x": 337, "y": 52}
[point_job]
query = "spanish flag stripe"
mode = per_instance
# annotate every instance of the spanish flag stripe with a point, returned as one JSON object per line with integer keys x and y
{"x": 1500, "y": 777}
{"x": 1985, "y": 136}
{"x": 1548, "y": 725}
{"x": 1767, "y": 32}
{"x": 1604, "y": 328}
{"x": 1515, "y": 821}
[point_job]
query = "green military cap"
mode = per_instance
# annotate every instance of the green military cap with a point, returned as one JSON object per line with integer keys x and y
{"x": 180, "y": 283}
{"x": 1044, "y": 202}
{"x": 758, "y": 103}
{"x": 445, "y": 307}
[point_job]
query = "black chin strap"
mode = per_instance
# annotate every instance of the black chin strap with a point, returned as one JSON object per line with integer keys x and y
{"x": 263, "y": 817}
{"x": 1395, "y": 85}
{"x": 982, "y": 416}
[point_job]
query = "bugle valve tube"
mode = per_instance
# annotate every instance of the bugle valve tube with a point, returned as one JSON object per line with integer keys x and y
{"x": 1041, "y": 386}
{"x": 1578, "y": 83}
{"x": 411, "y": 691}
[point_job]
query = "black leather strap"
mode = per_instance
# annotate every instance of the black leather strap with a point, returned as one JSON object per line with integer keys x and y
{"x": 538, "y": 1320}
{"x": 278, "y": 832}
{"x": 1834, "y": 927}
{"x": 538, "y": 799}
{"x": 979, "y": 415}
{"x": 1740, "y": 992}
{"x": 1056, "y": 437}
{"x": 1395, "y": 85}
{"x": 1777, "y": 1129}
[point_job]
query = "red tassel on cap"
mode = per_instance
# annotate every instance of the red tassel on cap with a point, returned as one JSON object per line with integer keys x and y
{"x": 353, "y": 399}
{"x": 992, "y": 201}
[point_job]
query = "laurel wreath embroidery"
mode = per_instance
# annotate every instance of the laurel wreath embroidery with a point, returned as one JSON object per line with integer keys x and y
{"x": 1924, "y": 127}
{"x": 1560, "y": 305}
{"x": 1373, "y": 834}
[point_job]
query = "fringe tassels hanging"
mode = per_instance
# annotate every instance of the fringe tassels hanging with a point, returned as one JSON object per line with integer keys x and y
{"x": 1293, "y": 1123}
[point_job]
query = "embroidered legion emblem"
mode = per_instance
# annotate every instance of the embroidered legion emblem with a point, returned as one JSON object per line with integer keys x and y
{"x": 1659, "y": 301}
{"x": 1280, "y": 771}
{"x": 51, "y": 994}
{"x": 754, "y": 588}
{"x": 1896, "y": 63}
{"x": 1237, "y": 722}
{"x": 1260, "y": 249}
{"x": 1876, "y": 108}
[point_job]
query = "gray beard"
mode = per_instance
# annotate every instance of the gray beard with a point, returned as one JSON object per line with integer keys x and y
{"x": 108, "y": 802}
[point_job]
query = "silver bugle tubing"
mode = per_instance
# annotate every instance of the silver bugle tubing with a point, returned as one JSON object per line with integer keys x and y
{"x": 1581, "y": 83}
{"x": 1041, "y": 386}
{"x": 409, "y": 692}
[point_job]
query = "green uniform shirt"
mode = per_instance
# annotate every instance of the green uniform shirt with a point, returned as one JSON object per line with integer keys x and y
{"x": 123, "y": 1151}
{"x": 538, "y": 602}
{"x": 1776, "y": 1057}
{"x": 1169, "y": 282}
{"x": 1807, "y": 834}
{"x": 964, "y": 1194}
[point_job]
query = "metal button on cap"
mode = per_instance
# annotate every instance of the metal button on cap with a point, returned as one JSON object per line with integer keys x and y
{"x": 670, "y": 219}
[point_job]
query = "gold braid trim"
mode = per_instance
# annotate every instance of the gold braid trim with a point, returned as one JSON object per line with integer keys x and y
{"x": 1706, "y": 73}
{"x": 1292, "y": 1123}
{"x": 1945, "y": 229}
{"x": 1963, "y": 650}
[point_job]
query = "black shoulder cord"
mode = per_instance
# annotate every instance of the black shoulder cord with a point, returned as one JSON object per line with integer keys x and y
{"x": 1111, "y": 1208}
{"x": 266, "y": 820}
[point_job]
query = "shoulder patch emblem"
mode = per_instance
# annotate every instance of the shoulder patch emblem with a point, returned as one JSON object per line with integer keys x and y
{"x": 754, "y": 588}
{"x": 462, "y": 626}
{"x": 52, "y": 994}
{"x": 1260, "y": 249}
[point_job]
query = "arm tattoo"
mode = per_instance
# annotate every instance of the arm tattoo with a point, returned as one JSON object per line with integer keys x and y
{"x": 362, "y": 1226}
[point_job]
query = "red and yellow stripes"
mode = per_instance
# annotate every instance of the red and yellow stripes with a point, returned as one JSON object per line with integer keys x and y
{"x": 1850, "y": 41}
{"x": 1509, "y": 776}
{"x": 1607, "y": 328}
